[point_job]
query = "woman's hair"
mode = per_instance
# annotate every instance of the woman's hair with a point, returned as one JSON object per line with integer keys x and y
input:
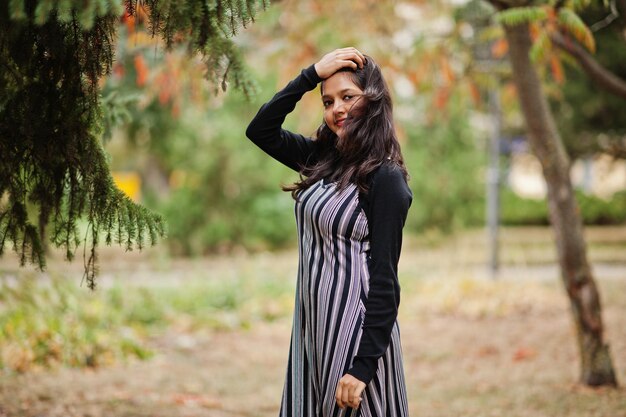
{"x": 368, "y": 138}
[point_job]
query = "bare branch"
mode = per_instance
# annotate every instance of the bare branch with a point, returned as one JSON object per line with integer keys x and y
{"x": 599, "y": 74}
{"x": 559, "y": 4}
{"x": 607, "y": 20}
{"x": 507, "y": 4}
{"x": 498, "y": 5}
{"x": 517, "y": 3}
{"x": 622, "y": 9}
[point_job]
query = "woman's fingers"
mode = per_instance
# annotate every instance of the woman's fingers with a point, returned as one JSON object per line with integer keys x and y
{"x": 351, "y": 49}
{"x": 337, "y": 59}
{"x": 356, "y": 397}
{"x": 345, "y": 396}
{"x": 348, "y": 63}
{"x": 358, "y": 56}
{"x": 349, "y": 391}
{"x": 355, "y": 56}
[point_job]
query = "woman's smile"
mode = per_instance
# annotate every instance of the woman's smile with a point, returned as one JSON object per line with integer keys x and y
{"x": 339, "y": 95}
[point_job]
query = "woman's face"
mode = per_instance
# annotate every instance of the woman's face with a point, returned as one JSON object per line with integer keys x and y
{"x": 340, "y": 94}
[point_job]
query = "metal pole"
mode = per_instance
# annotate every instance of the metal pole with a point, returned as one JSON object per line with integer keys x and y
{"x": 493, "y": 183}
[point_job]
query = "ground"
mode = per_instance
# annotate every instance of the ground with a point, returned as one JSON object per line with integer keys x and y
{"x": 473, "y": 345}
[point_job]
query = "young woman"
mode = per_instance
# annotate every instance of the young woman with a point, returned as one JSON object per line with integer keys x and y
{"x": 351, "y": 203}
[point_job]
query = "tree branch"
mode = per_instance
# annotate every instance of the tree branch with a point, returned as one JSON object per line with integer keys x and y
{"x": 607, "y": 20}
{"x": 498, "y": 5}
{"x": 621, "y": 6}
{"x": 15, "y": 73}
{"x": 516, "y": 3}
{"x": 598, "y": 74}
{"x": 507, "y": 4}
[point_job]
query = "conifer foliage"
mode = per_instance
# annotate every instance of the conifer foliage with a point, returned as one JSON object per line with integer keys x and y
{"x": 53, "y": 168}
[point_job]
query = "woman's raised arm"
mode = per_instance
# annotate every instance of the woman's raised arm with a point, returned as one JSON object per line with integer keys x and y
{"x": 265, "y": 130}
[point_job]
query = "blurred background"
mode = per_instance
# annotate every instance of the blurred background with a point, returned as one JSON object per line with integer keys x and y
{"x": 199, "y": 324}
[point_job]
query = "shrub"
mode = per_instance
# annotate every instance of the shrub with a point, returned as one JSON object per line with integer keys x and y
{"x": 519, "y": 211}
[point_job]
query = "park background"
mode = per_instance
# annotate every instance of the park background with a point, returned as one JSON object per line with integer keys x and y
{"x": 198, "y": 325}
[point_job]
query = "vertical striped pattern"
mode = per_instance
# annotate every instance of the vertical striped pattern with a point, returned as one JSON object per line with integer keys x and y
{"x": 333, "y": 280}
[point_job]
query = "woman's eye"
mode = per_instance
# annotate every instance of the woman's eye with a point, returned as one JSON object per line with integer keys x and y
{"x": 347, "y": 98}
{"x": 326, "y": 103}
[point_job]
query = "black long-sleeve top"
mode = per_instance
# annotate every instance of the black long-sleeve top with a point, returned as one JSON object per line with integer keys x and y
{"x": 385, "y": 205}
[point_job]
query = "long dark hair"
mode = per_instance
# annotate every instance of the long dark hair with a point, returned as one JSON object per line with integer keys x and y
{"x": 369, "y": 138}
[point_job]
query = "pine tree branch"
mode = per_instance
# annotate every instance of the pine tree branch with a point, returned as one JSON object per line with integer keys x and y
{"x": 51, "y": 63}
{"x": 16, "y": 75}
{"x": 599, "y": 74}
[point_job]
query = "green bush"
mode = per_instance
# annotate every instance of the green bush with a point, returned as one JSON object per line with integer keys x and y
{"x": 446, "y": 160}
{"x": 602, "y": 212}
{"x": 228, "y": 194}
{"x": 50, "y": 322}
{"x": 518, "y": 211}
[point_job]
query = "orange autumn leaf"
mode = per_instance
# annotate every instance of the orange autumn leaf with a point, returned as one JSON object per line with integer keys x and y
{"x": 413, "y": 77}
{"x": 441, "y": 98}
{"x": 557, "y": 69}
{"x": 420, "y": 73}
{"x": 535, "y": 31}
{"x": 474, "y": 92}
{"x": 142, "y": 70}
{"x": 162, "y": 84}
{"x": 164, "y": 95}
{"x": 500, "y": 48}
{"x": 523, "y": 354}
{"x": 129, "y": 21}
{"x": 192, "y": 400}
{"x": 446, "y": 70}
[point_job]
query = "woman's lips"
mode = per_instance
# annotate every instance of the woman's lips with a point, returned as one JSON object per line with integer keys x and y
{"x": 340, "y": 122}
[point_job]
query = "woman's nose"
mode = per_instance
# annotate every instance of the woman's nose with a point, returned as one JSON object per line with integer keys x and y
{"x": 339, "y": 107}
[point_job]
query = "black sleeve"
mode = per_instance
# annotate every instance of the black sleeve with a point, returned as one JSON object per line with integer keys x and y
{"x": 388, "y": 202}
{"x": 291, "y": 149}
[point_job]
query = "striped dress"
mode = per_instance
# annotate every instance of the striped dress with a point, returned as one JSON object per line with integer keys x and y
{"x": 332, "y": 288}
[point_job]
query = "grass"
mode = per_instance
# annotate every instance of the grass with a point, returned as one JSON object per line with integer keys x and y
{"x": 49, "y": 321}
{"x": 213, "y": 331}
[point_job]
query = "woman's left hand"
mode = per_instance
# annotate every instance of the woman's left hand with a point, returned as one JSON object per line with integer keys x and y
{"x": 339, "y": 58}
{"x": 349, "y": 391}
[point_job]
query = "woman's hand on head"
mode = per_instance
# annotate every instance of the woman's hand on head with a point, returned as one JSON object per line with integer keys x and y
{"x": 349, "y": 391}
{"x": 337, "y": 59}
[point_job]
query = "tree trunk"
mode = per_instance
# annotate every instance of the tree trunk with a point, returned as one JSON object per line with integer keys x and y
{"x": 546, "y": 144}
